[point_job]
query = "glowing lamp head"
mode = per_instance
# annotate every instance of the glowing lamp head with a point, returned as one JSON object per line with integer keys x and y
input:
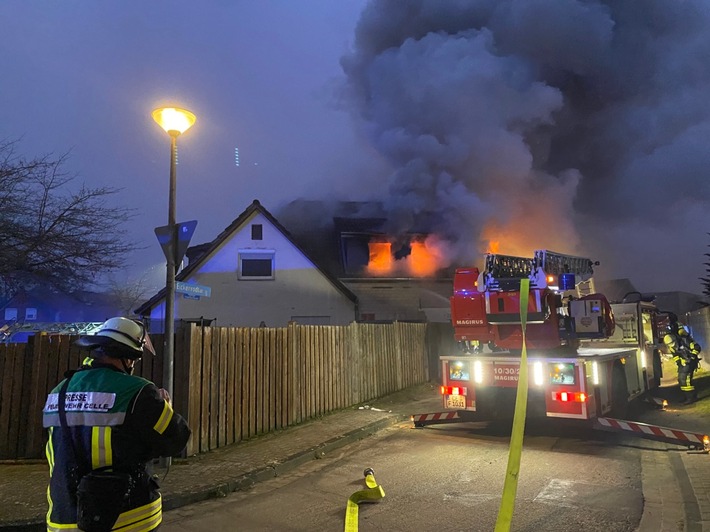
{"x": 173, "y": 120}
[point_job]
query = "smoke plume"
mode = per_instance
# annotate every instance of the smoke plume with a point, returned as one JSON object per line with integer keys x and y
{"x": 558, "y": 124}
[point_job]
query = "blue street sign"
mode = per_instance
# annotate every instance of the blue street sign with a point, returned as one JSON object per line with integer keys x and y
{"x": 193, "y": 289}
{"x": 188, "y": 296}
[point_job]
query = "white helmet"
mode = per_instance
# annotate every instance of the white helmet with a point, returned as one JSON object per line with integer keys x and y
{"x": 129, "y": 336}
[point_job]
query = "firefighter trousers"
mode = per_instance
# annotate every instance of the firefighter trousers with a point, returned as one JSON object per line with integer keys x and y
{"x": 685, "y": 380}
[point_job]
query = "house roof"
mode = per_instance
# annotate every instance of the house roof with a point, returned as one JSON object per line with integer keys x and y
{"x": 80, "y": 305}
{"x": 198, "y": 254}
{"x": 321, "y": 227}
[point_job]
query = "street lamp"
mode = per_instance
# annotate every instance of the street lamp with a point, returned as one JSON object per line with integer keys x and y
{"x": 175, "y": 122}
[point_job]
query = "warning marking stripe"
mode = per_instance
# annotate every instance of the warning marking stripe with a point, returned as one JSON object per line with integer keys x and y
{"x": 435, "y": 416}
{"x": 665, "y": 432}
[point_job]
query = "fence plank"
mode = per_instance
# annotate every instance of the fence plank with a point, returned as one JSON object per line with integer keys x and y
{"x": 245, "y": 381}
{"x": 18, "y": 367}
{"x": 271, "y": 343}
{"x": 213, "y": 347}
{"x": 238, "y": 383}
{"x": 205, "y": 390}
{"x": 7, "y": 365}
{"x": 223, "y": 377}
{"x": 253, "y": 369}
{"x": 40, "y": 388}
{"x": 230, "y": 357}
{"x": 280, "y": 408}
{"x": 261, "y": 379}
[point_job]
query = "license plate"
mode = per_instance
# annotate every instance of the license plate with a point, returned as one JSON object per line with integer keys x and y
{"x": 455, "y": 401}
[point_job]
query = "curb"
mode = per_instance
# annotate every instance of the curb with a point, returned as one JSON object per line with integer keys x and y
{"x": 247, "y": 480}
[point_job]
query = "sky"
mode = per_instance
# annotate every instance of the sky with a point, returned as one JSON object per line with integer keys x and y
{"x": 576, "y": 126}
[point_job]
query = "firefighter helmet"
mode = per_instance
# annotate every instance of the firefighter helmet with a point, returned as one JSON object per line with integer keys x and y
{"x": 682, "y": 330}
{"x": 119, "y": 337}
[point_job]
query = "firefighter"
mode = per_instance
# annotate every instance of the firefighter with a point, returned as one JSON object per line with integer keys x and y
{"x": 105, "y": 428}
{"x": 685, "y": 351}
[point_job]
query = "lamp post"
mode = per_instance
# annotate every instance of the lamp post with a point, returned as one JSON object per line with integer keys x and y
{"x": 175, "y": 122}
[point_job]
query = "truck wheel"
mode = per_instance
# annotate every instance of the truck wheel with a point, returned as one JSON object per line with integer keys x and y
{"x": 619, "y": 393}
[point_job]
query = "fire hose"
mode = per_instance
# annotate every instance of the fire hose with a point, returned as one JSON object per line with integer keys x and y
{"x": 373, "y": 493}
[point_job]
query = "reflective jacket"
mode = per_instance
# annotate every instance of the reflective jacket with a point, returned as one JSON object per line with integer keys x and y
{"x": 114, "y": 419}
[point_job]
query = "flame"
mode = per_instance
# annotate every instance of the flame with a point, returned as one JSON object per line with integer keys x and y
{"x": 424, "y": 259}
{"x": 381, "y": 260}
{"x": 422, "y": 262}
{"x": 509, "y": 241}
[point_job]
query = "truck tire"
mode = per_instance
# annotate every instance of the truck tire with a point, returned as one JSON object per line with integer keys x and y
{"x": 619, "y": 393}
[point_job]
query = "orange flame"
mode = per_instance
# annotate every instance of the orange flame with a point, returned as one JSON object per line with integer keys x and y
{"x": 421, "y": 262}
{"x": 493, "y": 246}
{"x": 381, "y": 260}
{"x": 424, "y": 259}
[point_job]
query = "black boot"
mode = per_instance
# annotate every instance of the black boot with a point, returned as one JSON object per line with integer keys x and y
{"x": 687, "y": 399}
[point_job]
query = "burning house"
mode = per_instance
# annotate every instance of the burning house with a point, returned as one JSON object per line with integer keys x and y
{"x": 396, "y": 275}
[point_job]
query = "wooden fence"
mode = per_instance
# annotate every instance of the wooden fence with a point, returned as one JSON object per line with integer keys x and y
{"x": 231, "y": 383}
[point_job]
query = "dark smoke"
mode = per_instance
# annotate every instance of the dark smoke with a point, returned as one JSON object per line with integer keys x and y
{"x": 577, "y": 126}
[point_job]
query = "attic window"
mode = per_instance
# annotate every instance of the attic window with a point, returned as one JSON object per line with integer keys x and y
{"x": 256, "y": 265}
{"x": 30, "y": 313}
{"x": 10, "y": 314}
{"x": 257, "y": 232}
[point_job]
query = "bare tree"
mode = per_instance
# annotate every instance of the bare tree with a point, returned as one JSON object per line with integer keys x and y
{"x": 53, "y": 236}
{"x": 128, "y": 295}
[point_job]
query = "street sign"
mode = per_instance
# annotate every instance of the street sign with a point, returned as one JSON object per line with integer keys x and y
{"x": 184, "y": 230}
{"x": 193, "y": 289}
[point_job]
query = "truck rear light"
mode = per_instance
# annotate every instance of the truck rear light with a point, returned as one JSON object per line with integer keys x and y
{"x": 538, "y": 378}
{"x": 453, "y": 390}
{"x": 569, "y": 397}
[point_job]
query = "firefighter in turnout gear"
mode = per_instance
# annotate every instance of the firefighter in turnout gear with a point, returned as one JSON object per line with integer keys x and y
{"x": 685, "y": 351}
{"x": 105, "y": 427}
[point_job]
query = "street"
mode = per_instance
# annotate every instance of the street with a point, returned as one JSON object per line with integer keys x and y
{"x": 442, "y": 478}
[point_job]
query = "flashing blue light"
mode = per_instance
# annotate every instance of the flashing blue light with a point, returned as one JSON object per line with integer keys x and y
{"x": 567, "y": 281}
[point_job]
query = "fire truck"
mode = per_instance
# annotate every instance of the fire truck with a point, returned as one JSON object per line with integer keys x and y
{"x": 588, "y": 358}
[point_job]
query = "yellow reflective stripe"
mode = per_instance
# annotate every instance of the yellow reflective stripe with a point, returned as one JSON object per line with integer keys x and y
{"x": 164, "y": 419}
{"x": 49, "y": 451}
{"x": 141, "y": 518}
{"x": 144, "y": 526}
{"x": 95, "y": 448}
{"x": 101, "y": 452}
{"x": 51, "y": 527}
{"x": 108, "y": 449}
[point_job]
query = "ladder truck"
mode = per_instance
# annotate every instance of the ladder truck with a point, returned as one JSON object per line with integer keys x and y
{"x": 587, "y": 358}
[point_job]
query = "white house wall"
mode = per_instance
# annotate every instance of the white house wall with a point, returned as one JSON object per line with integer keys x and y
{"x": 298, "y": 291}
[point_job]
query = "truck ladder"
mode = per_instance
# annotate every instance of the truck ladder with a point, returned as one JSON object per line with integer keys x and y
{"x": 695, "y": 440}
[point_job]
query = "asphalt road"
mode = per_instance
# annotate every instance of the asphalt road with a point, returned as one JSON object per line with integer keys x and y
{"x": 443, "y": 478}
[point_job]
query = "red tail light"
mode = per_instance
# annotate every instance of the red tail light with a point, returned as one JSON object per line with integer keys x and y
{"x": 569, "y": 397}
{"x": 453, "y": 390}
